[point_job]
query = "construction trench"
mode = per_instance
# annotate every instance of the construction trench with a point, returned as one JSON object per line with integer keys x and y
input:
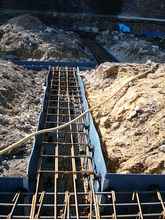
{"x": 67, "y": 175}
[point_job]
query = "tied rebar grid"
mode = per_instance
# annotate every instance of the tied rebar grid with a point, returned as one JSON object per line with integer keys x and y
{"x": 65, "y": 174}
{"x": 115, "y": 205}
{"x": 65, "y": 164}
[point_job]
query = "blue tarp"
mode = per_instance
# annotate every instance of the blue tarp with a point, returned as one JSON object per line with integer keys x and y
{"x": 123, "y": 28}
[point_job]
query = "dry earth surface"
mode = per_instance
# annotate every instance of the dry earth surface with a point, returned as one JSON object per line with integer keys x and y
{"x": 132, "y": 123}
{"x": 26, "y": 37}
{"x": 20, "y": 104}
{"x": 132, "y": 49}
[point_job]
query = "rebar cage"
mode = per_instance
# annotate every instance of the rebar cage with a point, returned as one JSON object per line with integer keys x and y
{"x": 64, "y": 174}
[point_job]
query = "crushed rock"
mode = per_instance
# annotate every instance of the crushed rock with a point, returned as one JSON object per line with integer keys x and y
{"x": 21, "y": 93}
{"x": 132, "y": 123}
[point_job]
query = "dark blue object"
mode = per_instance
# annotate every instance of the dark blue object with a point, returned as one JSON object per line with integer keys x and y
{"x": 39, "y": 65}
{"x": 154, "y": 34}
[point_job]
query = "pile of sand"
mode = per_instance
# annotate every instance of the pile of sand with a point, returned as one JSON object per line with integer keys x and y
{"x": 131, "y": 124}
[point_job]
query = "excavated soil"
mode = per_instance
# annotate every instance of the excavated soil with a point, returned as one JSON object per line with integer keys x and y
{"x": 21, "y": 92}
{"x": 26, "y": 37}
{"x": 132, "y": 123}
{"x": 132, "y": 49}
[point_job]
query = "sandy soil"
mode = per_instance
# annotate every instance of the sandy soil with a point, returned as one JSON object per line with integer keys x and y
{"x": 132, "y": 123}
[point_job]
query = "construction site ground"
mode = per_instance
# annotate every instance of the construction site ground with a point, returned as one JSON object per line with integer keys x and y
{"x": 131, "y": 124}
{"x": 130, "y": 48}
{"x": 26, "y": 37}
{"x": 21, "y": 94}
{"x": 21, "y": 91}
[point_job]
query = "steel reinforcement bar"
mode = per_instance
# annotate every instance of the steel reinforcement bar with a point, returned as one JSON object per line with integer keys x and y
{"x": 65, "y": 160}
{"x": 65, "y": 175}
{"x": 115, "y": 205}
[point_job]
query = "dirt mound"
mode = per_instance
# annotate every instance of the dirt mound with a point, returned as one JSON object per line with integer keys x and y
{"x": 26, "y": 37}
{"x": 20, "y": 103}
{"x": 132, "y": 49}
{"x": 27, "y": 22}
{"x": 132, "y": 123}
